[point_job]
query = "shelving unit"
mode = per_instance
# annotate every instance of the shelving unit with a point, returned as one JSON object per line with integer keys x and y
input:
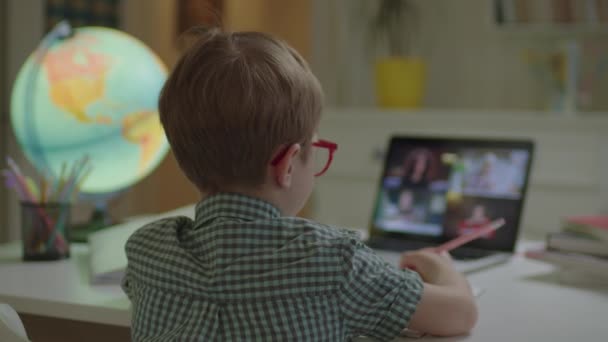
{"x": 563, "y": 44}
{"x": 556, "y": 30}
{"x": 551, "y": 17}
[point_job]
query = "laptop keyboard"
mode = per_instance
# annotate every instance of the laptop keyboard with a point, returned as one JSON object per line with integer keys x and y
{"x": 464, "y": 253}
{"x": 461, "y": 253}
{"x": 395, "y": 245}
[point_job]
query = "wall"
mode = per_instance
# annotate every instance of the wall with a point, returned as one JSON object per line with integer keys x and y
{"x": 153, "y": 22}
{"x": 3, "y": 117}
{"x": 288, "y": 19}
{"x": 470, "y": 63}
{"x": 24, "y": 31}
{"x": 167, "y": 188}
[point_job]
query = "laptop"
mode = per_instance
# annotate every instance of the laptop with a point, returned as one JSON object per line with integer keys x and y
{"x": 433, "y": 189}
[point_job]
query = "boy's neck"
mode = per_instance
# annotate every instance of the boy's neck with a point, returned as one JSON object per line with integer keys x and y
{"x": 262, "y": 194}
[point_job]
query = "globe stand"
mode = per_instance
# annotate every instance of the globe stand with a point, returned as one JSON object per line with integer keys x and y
{"x": 134, "y": 119}
{"x": 99, "y": 219}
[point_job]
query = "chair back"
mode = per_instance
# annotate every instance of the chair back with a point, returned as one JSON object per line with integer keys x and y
{"x": 11, "y": 327}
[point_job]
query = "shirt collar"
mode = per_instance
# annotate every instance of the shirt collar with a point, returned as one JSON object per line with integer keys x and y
{"x": 234, "y": 206}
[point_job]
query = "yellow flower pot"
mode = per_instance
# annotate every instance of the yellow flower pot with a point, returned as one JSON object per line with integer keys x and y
{"x": 400, "y": 82}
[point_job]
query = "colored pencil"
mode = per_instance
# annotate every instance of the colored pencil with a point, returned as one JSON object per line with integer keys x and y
{"x": 461, "y": 240}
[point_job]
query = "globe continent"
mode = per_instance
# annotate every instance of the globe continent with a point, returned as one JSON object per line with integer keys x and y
{"x": 94, "y": 93}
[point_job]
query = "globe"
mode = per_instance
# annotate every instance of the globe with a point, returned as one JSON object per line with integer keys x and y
{"x": 91, "y": 93}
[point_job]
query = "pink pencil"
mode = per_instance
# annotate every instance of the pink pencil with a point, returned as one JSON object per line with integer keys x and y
{"x": 461, "y": 240}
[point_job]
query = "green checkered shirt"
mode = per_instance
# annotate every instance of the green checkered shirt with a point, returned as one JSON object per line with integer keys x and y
{"x": 242, "y": 272}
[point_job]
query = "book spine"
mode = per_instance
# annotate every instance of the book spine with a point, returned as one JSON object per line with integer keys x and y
{"x": 596, "y": 233}
{"x": 562, "y": 11}
{"x": 602, "y": 10}
{"x": 522, "y": 13}
{"x": 579, "y": 12}
{"x": 508, "y": 11}
{"x": 583, "y": 263}
{"x": 567, "y": 242}
{"x": 499, "y": 15}
{"x": 591, "y": 11}
{"x": 541, "y": 11}
{"x": 572, "y": 52}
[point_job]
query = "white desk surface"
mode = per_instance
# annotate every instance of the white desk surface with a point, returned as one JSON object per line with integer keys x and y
{"x": 523, "y": 301}
{"x": 59, "y": 289}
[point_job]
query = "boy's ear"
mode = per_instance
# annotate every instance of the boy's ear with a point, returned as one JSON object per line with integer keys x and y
{"x": 283, "y": 170}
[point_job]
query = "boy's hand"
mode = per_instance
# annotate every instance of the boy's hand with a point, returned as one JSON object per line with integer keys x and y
{"x": 447, "y": 306}
{"x": 432, "y": 266}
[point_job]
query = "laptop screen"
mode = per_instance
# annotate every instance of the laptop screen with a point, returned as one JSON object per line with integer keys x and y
{"x": 435, "y": 189}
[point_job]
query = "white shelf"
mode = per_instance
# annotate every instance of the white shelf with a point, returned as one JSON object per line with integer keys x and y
{"x": 60, "y": 289}
{"x": 549, "y": 29}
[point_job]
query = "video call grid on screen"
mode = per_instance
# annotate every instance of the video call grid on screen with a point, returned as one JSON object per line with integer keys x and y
{"x": 437, "y": 189}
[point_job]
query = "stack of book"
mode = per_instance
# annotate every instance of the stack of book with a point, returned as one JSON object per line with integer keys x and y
{"x": 581, "y": 247}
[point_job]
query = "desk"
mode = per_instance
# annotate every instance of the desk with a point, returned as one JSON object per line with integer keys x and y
{"x": 56, "y": 301}
{"x": 522, "y": 301}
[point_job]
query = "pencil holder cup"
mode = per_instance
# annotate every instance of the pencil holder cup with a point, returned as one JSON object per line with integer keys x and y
{"x": 44, "y": 231}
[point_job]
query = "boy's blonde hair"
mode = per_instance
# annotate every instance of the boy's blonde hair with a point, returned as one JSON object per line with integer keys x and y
{"x": 232, "y": 101}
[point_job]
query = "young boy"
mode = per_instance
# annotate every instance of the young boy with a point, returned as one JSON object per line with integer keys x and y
{"x": 241, "y": 111}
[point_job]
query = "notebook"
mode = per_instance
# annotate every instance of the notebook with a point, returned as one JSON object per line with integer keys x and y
{"x": 433, "y": 189}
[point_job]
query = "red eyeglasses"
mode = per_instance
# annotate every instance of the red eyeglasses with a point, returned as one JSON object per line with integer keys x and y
{"x": 323, "y": 156}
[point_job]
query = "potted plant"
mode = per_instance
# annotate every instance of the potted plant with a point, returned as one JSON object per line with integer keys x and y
{"x": 400, "y": 76}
